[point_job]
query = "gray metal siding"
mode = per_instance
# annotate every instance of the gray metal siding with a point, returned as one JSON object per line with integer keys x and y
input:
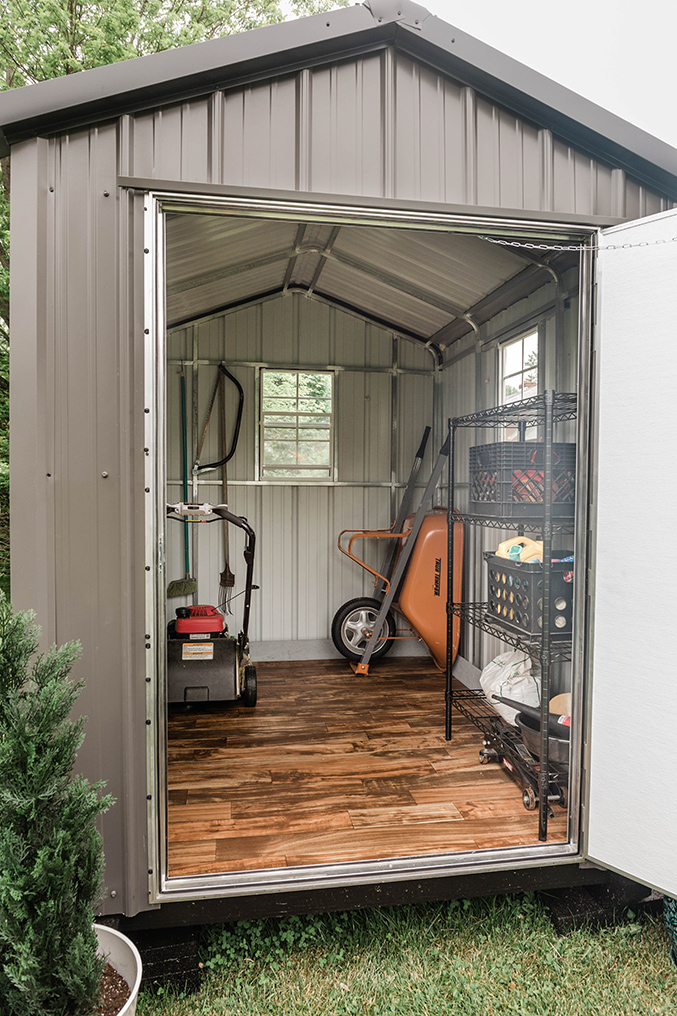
{"x": 380, "y": 125}
{"x": 84, "y": 530}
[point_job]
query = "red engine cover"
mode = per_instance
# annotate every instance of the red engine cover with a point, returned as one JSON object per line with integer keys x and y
{"x": 203, "y": 618}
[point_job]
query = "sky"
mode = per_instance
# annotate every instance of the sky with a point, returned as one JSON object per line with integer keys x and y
{"x": 620, "y": 54}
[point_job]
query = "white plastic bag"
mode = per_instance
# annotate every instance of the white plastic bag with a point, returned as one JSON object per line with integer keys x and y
{"x": 510, "y": 674}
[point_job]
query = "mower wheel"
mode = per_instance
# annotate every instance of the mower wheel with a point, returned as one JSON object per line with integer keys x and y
{"x": 352, "y": 627}
{"x": 249, "y": 693}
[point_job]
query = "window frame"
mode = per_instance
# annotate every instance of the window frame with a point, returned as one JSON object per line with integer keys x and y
{"x": 296, "y": 473}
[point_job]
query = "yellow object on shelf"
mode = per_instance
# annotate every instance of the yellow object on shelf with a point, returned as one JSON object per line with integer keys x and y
{"x": 521, "y": 548}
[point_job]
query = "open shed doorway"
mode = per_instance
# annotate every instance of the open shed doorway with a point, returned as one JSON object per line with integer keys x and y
{"x": 376, "y": 332}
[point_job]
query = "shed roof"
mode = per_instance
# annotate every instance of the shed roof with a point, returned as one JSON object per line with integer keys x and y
{"x": 190, "y": 71}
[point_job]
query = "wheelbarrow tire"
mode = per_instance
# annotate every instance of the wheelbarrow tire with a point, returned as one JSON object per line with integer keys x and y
{"x": 249, "y": 692}
{"x": 352, "y": 625}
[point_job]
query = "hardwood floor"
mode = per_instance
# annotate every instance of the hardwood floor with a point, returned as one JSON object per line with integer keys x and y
{"x": 332, "y": 767}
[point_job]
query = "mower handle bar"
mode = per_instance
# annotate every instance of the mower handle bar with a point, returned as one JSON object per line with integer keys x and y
{"x": 196, "y": 512}
{"x": 191, "y": 511}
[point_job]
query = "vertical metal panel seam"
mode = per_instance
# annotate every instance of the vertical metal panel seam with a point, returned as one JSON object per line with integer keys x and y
{"x": 470, "y": 145}
{"x": 304, "y": 104}
{"x": 547, "y": 170}
{"x": 215, "y": 122}
{"x": 388, "y": 114}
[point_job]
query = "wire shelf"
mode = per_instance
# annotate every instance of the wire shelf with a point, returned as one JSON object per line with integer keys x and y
{"x": 530, "y": 412}
{"x": 565, "y": 526}
{"x": 477, "y": 614}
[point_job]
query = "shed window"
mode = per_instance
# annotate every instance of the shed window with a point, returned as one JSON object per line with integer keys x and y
{"x": 519, "y": 373}
{"x": 297, "y": 424}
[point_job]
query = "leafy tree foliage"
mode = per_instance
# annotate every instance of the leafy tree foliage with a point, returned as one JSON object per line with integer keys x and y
{"x": 51, "y": 860}
{"x": 41, "y": 39}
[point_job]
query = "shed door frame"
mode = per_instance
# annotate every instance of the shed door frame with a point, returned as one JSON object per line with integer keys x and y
{"x": 631, "y": 825}
{"x": 161, "y": 887}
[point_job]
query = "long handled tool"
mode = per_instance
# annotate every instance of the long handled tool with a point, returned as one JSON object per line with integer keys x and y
{"x": 226, "y": 578}
{"x": 187, "y": 585}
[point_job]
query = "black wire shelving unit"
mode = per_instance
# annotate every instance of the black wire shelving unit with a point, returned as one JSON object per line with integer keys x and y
{"x": 541, "y": 778}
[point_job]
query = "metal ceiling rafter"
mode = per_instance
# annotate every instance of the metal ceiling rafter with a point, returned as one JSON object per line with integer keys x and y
{"x": 324, "y": 298}
{"x": 322, "y": 262}
{"x": 298, "y": 240}
{"x": 401, "y": 285}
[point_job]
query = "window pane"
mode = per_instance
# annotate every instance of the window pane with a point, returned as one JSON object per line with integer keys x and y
{"x": 272, "y": 403}
{"x": 512, "y": 389}
{"x": 530, "y": 384}
{"x": 531, "y": 350}
{"x": 296, "y": 412}
{"x": 512, "y": 358}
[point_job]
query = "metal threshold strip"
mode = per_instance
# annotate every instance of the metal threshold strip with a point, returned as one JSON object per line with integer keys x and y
{"x": 278, "y": 880}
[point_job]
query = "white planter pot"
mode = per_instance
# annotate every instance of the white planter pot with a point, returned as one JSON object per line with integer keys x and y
{"x": 124, "y": 957}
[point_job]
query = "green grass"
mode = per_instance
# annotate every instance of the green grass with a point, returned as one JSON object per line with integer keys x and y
{"x": 494, "y": 957}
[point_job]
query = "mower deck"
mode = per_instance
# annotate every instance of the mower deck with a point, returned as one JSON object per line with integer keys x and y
{"x": 333, "y": 767}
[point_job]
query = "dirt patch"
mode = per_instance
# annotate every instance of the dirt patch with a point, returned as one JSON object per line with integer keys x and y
{"x": 113, "y": 994}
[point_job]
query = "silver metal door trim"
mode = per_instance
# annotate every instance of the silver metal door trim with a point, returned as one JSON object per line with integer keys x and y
{"x": 161, "y": 887}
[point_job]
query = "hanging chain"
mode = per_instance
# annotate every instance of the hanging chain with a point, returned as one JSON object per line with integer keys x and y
{"x": 578, "y": 248}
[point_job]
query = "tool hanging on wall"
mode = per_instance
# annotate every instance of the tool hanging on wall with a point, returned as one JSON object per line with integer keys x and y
{"x": 226, "y": 578}
{"x": 187, "y": 585}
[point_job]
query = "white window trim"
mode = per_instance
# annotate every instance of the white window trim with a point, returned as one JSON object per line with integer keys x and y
{"x": 296, "y": 473}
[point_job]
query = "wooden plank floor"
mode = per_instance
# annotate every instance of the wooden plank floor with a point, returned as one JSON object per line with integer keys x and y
{"x": 332, "y": 767}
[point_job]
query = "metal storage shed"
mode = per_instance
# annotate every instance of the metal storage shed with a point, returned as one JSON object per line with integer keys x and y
{"x": 334, "y": 178}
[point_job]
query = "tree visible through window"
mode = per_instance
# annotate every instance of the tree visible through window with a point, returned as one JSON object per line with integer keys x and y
{"x": 297, "y": 424}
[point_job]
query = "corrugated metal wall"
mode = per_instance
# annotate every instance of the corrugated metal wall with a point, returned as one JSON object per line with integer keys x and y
{"x": 78, "y": 540}
{"x": 382, "y": 125}
{"x": 383, "y": 400}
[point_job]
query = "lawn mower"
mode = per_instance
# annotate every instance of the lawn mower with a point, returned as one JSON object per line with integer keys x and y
{"x": 413, "y": 584}
{"x": 205, "y": 663}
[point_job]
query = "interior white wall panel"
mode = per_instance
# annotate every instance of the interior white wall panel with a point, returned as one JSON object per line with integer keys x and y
{"x": 302, "y": 575}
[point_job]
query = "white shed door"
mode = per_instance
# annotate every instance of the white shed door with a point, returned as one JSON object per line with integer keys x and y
{"x": 632, "y": 817}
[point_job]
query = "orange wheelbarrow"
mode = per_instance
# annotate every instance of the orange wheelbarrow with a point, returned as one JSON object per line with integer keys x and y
{"x": 413, "y": 585}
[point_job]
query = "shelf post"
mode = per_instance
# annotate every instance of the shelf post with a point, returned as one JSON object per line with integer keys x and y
{"x": 448, "y": 695}
{"x": 544, "y": 775}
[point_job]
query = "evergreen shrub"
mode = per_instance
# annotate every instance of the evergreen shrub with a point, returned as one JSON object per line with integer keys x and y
{"x": 51, "y": 859}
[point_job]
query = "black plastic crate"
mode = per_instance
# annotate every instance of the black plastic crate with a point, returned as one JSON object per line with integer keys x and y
{"x": 516, "y": 594}
{"x": 506, "y": 479}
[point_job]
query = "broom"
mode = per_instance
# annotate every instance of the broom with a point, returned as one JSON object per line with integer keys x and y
{"x": 187, "y": 585}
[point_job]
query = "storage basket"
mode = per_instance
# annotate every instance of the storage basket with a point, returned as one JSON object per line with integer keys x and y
{"x": 506, "y": 479}
{"x": 516, "y": 594}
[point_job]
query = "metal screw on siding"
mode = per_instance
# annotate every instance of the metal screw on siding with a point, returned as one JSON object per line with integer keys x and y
{"x": 113, "y": 893}
{"x": 146, "y": 251}
{"x": 106, "y": 194}
{"x": 148, "y": 725}
{"x": 105, "y": 475}
{"x": 51, "y": 190}
{"x": 147, "y": 490}
{"x": 147, "y": 567}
